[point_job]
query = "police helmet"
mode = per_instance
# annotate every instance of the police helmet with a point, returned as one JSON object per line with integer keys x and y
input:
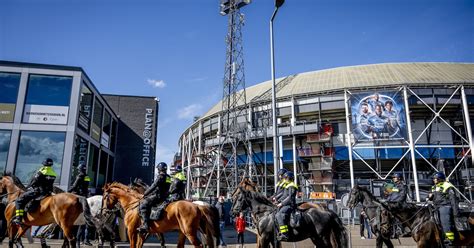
{"x": 290, "y": 175}
{"x": 48, "y": 162}
{"x": 179, "y": 168}
{"x": 282, "y": 171}
{"x": 439, "y": 175}
{"x": 398, "y": 175}
{"x": 162, "y": 166}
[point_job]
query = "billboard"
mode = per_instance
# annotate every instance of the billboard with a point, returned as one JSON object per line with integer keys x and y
{"x": 7, "y": 112}
{"x": 378, "y": 116}
{"x": 44, "y": 114}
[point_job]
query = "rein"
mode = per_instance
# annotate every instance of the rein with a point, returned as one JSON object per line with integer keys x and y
{"x": 9, "y": 193}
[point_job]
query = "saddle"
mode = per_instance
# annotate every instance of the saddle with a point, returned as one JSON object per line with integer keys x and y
{"x": 295, "y": 218}
{"x": 35, "y": 203}
{"x": 157, "y": 212}
{"x": 462, "y": 222}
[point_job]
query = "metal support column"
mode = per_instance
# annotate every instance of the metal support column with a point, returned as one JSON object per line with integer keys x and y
{"x": 199, "y": 160}
{"x": 188, "y": 174}
{"x": 467, "y": 121}
{"x": 218, "y": 159}
{"x": 349, "y": 137}
{"x": 293, "y": 122}
{"x": 412, "y": 144}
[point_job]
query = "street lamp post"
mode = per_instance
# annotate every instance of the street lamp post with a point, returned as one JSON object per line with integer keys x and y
{"x": 278, "y": 4}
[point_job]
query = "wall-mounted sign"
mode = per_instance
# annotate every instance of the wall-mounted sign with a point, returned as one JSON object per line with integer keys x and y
{"x": 44, "y": 114}
{"x": 147, "y": 137}
{"x": 322, "y": 195}
{"x": 104, "y": 140}
{"x": 378, "y": 116}
{"x": 7, "y": 112}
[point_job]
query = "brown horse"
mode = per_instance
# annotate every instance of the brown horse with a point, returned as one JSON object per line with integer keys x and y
{"x": 62, "y": 209}
{"x": 181, "y": 215}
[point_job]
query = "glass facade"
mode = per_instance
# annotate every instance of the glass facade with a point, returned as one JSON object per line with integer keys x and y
{"x": 85, "y": 108}
{"x": 4, "y": 145}
{"x": 34, "y": 148}
{"x": 47, "y": 99}
{"x": 9, "y": 84}
{"x": 97, "y": 120}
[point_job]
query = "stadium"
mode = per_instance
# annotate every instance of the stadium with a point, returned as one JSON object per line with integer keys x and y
{"x": 343, "y": 126}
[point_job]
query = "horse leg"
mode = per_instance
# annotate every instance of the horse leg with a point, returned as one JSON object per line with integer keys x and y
{"x": 181, "y": 240}
{"x": 162, "y": 240}
{"x": 388, "y": 243}
{"x": 193, "y": 238}
{"x": 132, "y": 237}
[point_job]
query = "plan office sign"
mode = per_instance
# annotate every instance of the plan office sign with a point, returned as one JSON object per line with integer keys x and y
{"x": 44, "y": 114}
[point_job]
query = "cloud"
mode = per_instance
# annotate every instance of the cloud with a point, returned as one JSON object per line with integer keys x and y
{"x": 189, "y": 111}
{"x": 156, "y": 83}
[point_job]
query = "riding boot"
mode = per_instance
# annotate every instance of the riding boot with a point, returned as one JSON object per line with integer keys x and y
{"x": 144, "y": 227}
{"x": 18, "y": 219}
{"x": 283, "y": 233}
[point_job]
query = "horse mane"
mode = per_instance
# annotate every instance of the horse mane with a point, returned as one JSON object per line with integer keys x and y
{"x": 260, "y": 198}
{"x": 15, "y": 180}
{"x": 369, "y": 194}
{"x": 124, "y": 188}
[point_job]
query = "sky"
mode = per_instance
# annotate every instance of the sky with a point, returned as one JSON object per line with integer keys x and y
{"x": 175, "y": 49}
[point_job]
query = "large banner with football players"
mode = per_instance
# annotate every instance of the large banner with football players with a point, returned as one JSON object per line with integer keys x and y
{"x": 378, "y": 116}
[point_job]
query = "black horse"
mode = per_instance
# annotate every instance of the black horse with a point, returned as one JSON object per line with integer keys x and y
{"x": 420, "y": 219}
{"x": 379, "y": 219}
{"x": 323, "y": 227}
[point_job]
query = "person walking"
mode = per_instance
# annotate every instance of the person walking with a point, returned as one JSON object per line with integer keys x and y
{"x": 220, "y": 207}
{"x": 364, "y": 224}
{"x": 240, "y": 227}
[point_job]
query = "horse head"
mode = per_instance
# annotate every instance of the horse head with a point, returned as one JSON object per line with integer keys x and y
{"x": 355, "y": 197}
{"x": 239, "y": 201}
{"x": 109, "y": 197}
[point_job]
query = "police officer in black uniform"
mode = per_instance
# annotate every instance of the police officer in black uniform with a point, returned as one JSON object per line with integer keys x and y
{"x": 398, "y": 193}
{"x": 280, "y": 185}
{"x": 178, "y": 185}
{"x": 157, "y": 193}
{"x": 81, "y": 187}
{"x": 286, "y": 205}
{"x": 41, "y": 184}
{"x": 444, "y": 197}
{"x": 81, "y": 184}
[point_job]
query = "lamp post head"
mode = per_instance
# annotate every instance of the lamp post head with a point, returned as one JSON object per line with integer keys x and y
{"x": 279, "y": 3}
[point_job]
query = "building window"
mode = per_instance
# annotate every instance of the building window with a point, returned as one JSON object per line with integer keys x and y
{"x": 105, "y": 138}
{"x": 97, "y": 120}
{"x": 47, "y": 99}
{"x": 34, "y": 148}
{"x": 113, "y": 136}
{"x": 85, "y": 110}
{"x": 102, "y": 169}
{"x": 80, "y": 156}
{"x": 110, "y": 170}
{"x": 4, "y": 145}
{"x": 9, "y": 84}
{"x": 92, "y": 165}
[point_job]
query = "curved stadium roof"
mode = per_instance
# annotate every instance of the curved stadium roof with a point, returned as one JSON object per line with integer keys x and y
{"x": 363, "y": 76}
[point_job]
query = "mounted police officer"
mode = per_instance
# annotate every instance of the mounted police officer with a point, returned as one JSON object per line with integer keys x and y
{"x": 156, "y": 194}
{"x": 178, "y": 185}
{"x": 443, "y": 196}
{"x": 398, "y": 193}
{"x": 286, "y": 205}
{"x": 81, "y": 187}
{"x": 280, "y": 185}
{"x": 41, "y": 185}
{"x": 81, "y": 184}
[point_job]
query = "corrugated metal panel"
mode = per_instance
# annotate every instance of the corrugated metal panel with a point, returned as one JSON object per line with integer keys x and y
{"x": 366, "y": 76}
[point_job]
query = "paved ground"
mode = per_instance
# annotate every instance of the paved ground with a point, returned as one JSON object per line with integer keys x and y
{"x": 230, "y": 237}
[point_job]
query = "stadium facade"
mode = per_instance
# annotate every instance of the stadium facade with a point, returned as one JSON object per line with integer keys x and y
{"x": 342, "y": 126}
{"x": 56, "y": 111}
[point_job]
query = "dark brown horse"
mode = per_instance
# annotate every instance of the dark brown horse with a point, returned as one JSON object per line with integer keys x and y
{"x": 421, "y": 220}
{"x": 63, "y": 208}
{"x": 182, "y": 216}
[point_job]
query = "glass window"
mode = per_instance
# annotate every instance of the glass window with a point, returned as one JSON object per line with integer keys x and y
{"x": 97, "y": 120}
{"x": 9, "y": 83}
{"x": 49, "y": 90}
{"x": 80, "y": 156}
{"x": 47, "y": 99}
{"x": 85, "y": 110}
{"x": 110, "y": 170}
{"x": 102, "y": 169}
{"x": 113, "y": 136}
{"x": 4, "y": 147}
{"x": 106, "y": 126}
{"x": 92, "y": 164}
{"x": 34, "y": 148}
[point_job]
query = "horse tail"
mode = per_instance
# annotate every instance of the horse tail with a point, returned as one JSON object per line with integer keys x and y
{"x": 210, "y": 223}
{"x": 339, "y": 232}
{"x": 86, "y": 210}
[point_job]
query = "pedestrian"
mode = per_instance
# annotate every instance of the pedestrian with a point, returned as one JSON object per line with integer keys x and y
{"x": 221, "y": 209}
{"x": 240, "y": 227}
{"x": 364, "y": 224}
